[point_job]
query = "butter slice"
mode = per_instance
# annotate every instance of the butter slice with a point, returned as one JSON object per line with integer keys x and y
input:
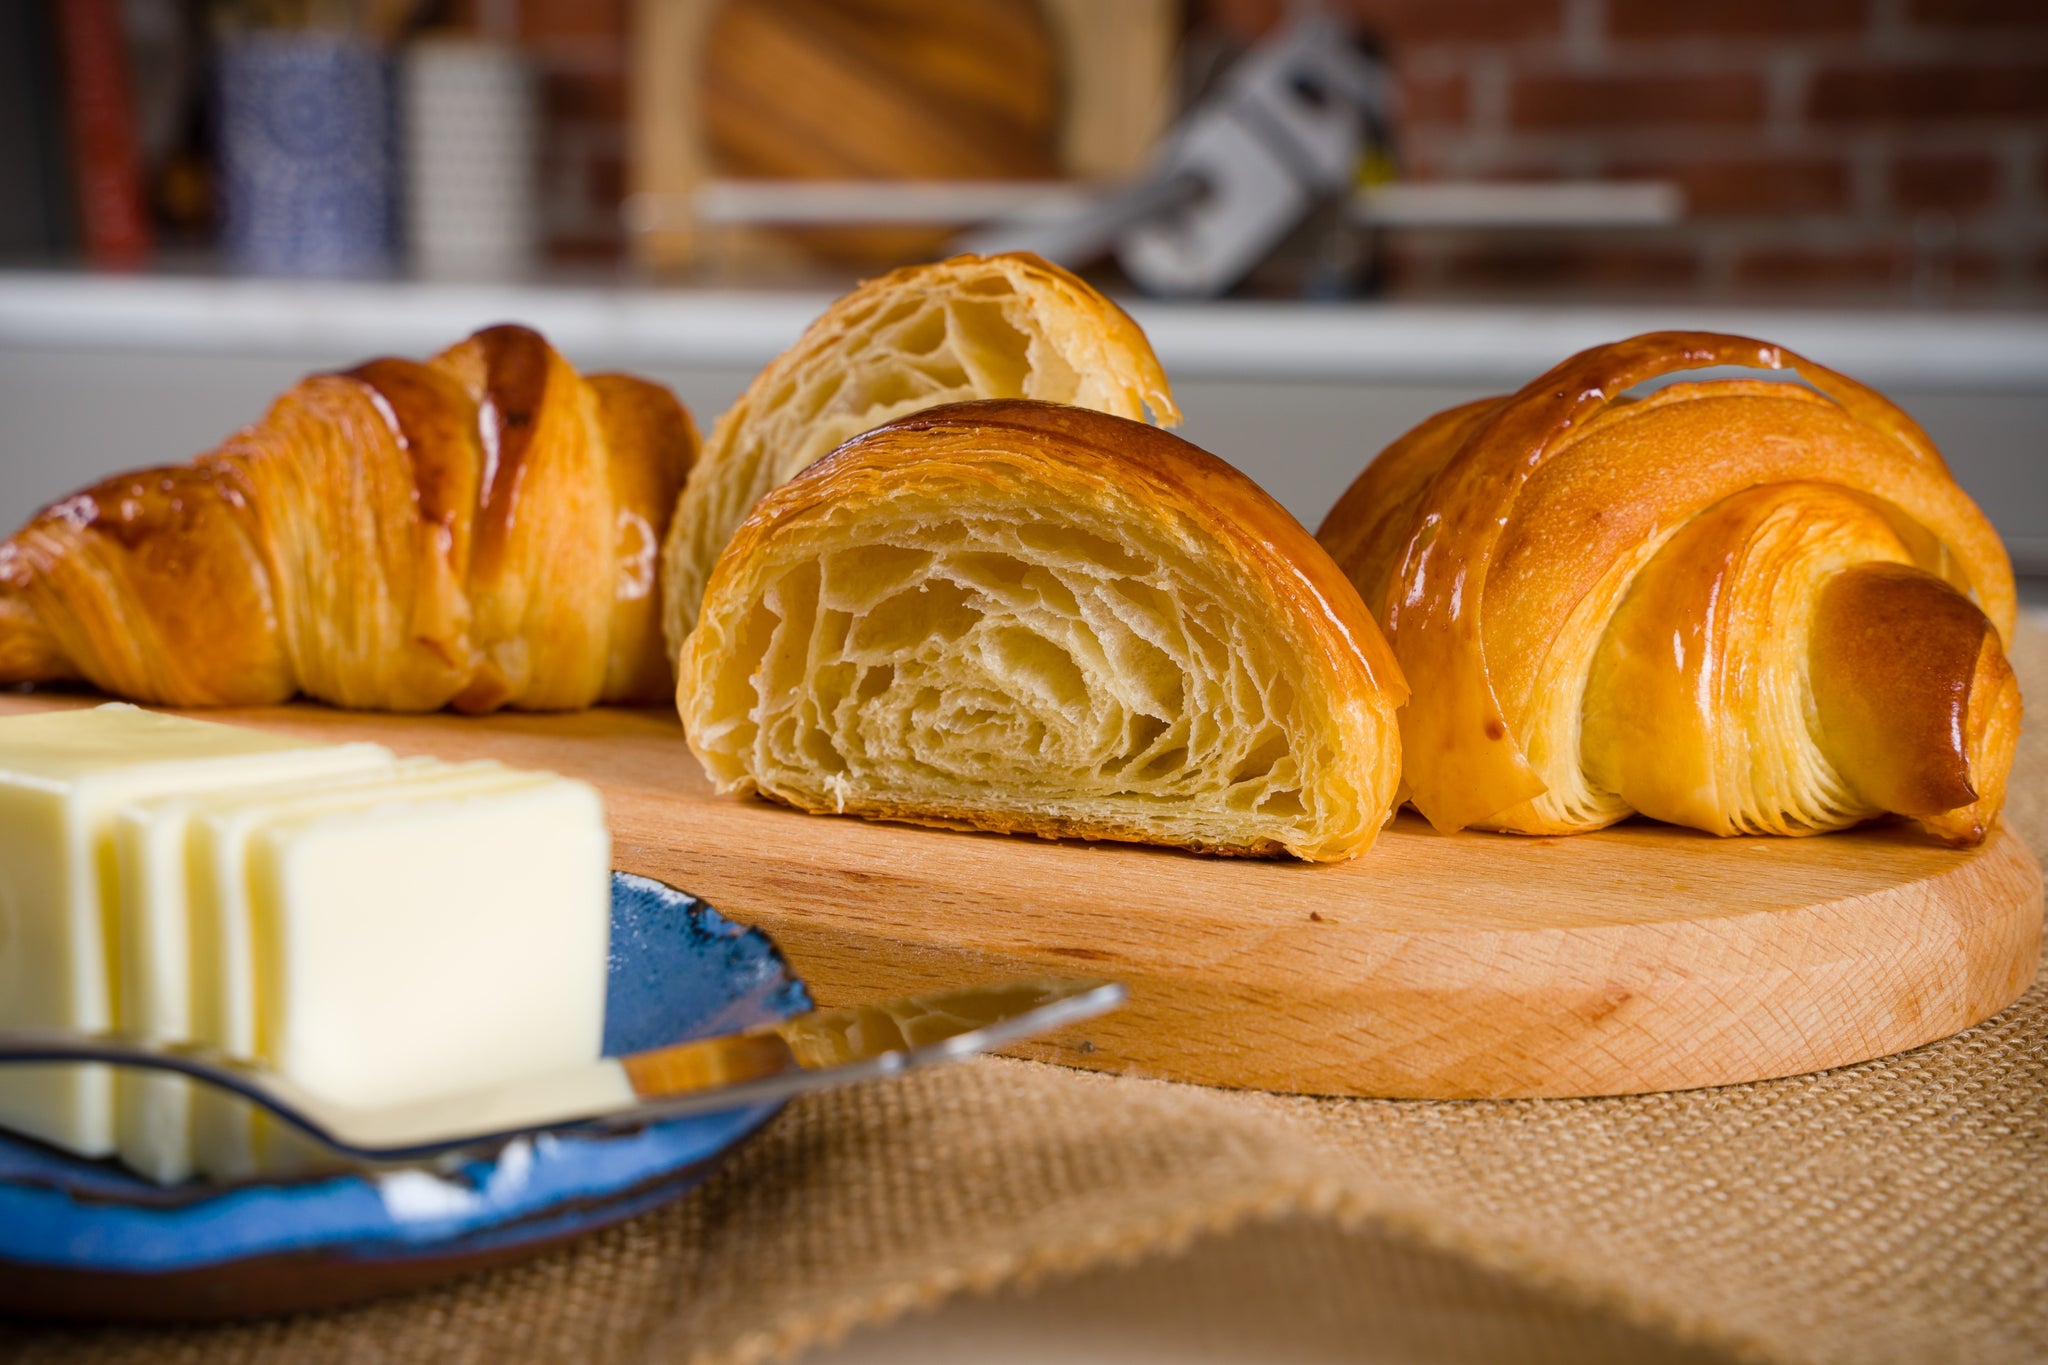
{"x": 152, "y": 840}
{"x": 419, "y": 948}
{"x": 451, "y": 921}
{"x": 224, "y": 984}
{"x": 63, "y": 777}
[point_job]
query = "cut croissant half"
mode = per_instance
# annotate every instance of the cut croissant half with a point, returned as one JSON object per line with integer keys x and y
{"x": 1747, "y": 606}
{"x": 1030, "y": 618}
{"x": 1010, "y": 326}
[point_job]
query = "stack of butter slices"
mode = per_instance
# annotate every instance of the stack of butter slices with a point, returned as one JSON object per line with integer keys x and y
{"x": 377, "y": 929}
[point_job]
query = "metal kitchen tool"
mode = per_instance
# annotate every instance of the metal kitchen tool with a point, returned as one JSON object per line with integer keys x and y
{"x": 813, "y": 1051}
{"x": 1282, "y": 134}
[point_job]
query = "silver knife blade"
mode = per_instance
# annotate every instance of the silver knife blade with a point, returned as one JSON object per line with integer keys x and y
{"x": 813, "y": 1051}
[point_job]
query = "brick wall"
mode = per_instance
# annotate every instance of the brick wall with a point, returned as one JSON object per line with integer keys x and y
{"x": 1889, "y": 146}
{"x": 1897, "y": 147}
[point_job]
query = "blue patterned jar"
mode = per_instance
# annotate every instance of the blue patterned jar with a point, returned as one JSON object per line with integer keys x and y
{"x": 307, "y": 155}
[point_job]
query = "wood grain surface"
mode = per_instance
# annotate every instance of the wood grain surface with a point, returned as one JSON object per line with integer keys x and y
{"x": 1640, "y": 958}
{"x": 881, "y": 90}
{"x": 1101, "y": 73}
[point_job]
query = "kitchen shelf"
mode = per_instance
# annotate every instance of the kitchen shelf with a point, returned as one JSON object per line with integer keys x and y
{"x": 651, "y": 326}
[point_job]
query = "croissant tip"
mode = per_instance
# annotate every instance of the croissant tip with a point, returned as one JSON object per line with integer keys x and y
{"x": 1969, "y": 835}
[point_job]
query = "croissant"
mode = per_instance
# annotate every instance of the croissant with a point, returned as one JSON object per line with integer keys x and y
{"x": 481, "y": 530}
{"x": 1024, "y": 617}
{"x": 1009, "y": 326}
{"x": 1741, "y": 605}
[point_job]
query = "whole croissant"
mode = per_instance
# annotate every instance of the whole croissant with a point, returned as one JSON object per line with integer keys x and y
{"x": 1742, "y": 605}
{"x": 478, "y": 531}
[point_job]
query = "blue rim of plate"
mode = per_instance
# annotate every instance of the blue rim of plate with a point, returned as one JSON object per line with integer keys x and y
{"x": 678, "y": 970}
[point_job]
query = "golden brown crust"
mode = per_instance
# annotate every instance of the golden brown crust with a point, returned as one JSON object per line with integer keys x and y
{"x": 403, "y": 536}
{"x": 979, "y": 820}
{"x": 27, "y": 649}
{"x": 652, "y": 441}
{"x": 1159, "y": 490}
{"x": 1503, "y": 537}
{"x": 1005, "y": 326}
{"x": 130, "y": 583}
{"x": 1917, "y": 704}
{"x": 1368, "y": 528}
{"x": 1991, "y": 734}
{"x": 1185, "y": 476}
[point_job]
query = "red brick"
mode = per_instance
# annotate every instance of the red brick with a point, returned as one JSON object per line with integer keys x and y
{"x": 578, "y": 56}
{"x": 1243, "y": 20}
{"x": 583, "y": 97}
{"x": 1565, "y": 101}
{"x": 1534, "y": 264}
{"x": 540, "y": 20}
{"x": 1813, "y": 267}
{"x": 1434, "y": 99}
{"x": 1914, "y": 94}
{"x": 1405, "y": 264}
{"x": 607, "y": 179}
{"x": 1893, "y": 268}
{"x": 581, "y": 249}
{"x": 1734, "y": 18}
{"x": 1518, "y": 168}
{"x": 1406, "y": 23}
{"x": 1970, "y": 266}
{"x": 1423, "y": 166}
{"x": 1958, "y": 183}
{"x": 562, "y": 189}
{"x": 1979, "y": 13}
{"x": 1399, "y": 23}
{"x": 1751, "y": 186}
{"x": 1966, "y": 268}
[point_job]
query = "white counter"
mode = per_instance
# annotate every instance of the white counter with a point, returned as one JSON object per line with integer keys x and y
{"x": 101, "y": 373}
{"x": 659, "y": 328}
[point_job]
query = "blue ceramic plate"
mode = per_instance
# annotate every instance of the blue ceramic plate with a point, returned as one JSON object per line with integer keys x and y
{"x": 87, "y": 1238}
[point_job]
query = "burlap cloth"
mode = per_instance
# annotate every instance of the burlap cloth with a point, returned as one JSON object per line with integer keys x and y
{"x": 1894, "y": 1211}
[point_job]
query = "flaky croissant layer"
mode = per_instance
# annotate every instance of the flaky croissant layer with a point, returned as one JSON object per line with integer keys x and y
{"x": 1006, "y": 326}
{"x": 480, "y": 530}
{"x": 1740, "y": 605}
{"x": 1030, "y": 618}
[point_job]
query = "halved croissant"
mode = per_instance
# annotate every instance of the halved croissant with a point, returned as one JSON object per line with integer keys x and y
{"x": 1026, "y": 617}
{"x": 481, "y": 530}
{"x": 1742, "y": 605}
{"x": 1009, "y": 326}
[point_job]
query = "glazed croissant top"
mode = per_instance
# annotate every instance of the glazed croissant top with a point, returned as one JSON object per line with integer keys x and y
{"x": 1027, "y": 617}
{"x": 480, "y": 530}
{"x": 1742, "y": 605}
{"x": 1008, "y": 326}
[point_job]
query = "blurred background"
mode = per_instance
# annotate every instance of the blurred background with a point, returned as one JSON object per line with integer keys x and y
{"x": 1333, "y": 218}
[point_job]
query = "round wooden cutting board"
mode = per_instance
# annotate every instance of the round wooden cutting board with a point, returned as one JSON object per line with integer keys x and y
{"x": 1640, "y": 958}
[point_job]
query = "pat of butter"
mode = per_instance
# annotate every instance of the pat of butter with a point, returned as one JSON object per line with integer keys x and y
{"x": 382, "y": 931}
{"x": 224, "y": 984}
{"x": 153, "y": 842}
{"x": 416, "y": 948}
{"x": 449, "y": 923}
{"x": 63, "y": 777}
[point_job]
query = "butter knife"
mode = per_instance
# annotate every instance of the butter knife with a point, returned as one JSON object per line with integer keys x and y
{"x": 813, "y": 1051}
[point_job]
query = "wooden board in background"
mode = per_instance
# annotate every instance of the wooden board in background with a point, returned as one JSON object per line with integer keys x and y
{"x": 1115, "y": 85}
{"x": 1640, "y": 958}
